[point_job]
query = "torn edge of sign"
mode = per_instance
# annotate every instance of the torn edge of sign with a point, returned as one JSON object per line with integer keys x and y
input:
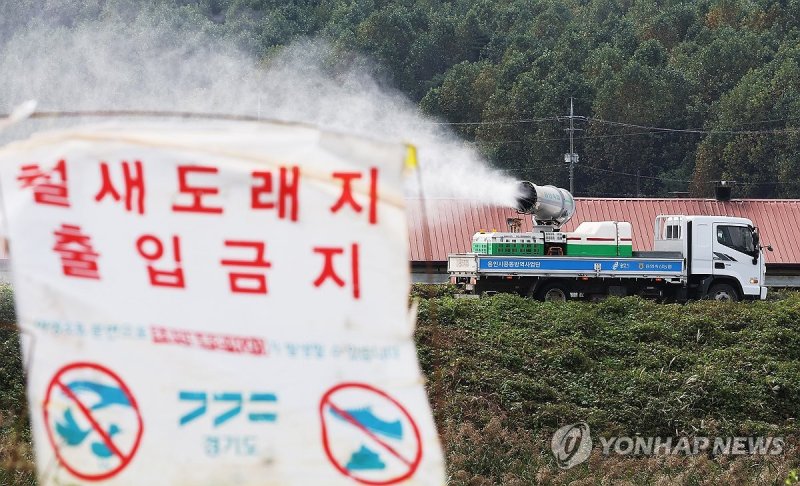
{"x": 21, "y": 112}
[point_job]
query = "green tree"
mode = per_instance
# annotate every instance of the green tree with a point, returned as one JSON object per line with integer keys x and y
{"x": 764, "y": 162}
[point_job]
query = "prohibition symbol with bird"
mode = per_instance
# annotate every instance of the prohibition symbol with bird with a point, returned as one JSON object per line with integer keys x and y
{"x": 93, "y": 421}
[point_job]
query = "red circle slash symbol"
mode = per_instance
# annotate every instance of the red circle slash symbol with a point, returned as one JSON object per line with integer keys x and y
{"x": 368, "y": 435}
{"x": 92, "y": 420}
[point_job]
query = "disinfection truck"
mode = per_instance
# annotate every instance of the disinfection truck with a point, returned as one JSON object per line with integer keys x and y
{"x": 692, "y": 257}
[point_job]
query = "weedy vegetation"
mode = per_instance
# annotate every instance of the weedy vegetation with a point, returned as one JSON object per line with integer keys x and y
{"x": 505, "y": 372}
{"x": 16, "y": 450}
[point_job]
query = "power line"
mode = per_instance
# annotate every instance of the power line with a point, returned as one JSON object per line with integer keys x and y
{"x": 636, "y": 175}
{"x": 565, "y": 139}
{"x": 767, "y": 183}
{"x": 618, "y": 135}
{"x": 591, "y": 101}
{"x": 693, "y": 130}
{"x": 499, "y": 122}
{"x": 548, "y": 166}
{"x": 630, "y": 174}
{"x": 650, "y": 130}
{"x": 767, "y": 121}
{"x": 486, "y": 142}
{"x": 596, "y": 169}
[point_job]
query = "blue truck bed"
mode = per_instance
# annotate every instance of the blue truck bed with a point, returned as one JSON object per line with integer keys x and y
{"x": 578, "y": 266}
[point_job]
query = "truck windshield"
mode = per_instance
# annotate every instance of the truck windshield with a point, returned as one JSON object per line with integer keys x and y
{"x": 739, "y": 238}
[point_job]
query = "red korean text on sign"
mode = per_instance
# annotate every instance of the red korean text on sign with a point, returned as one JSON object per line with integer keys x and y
{"x": 49, "y": 187}
{"x": 329, "y": 271}
{"x": 248, "y": 282}
{"x": 132, "y": 185}
{"x": 151, "y": 248}
{"x": 346, "y": 197}
{"x": 286, "y": 194}
{"x": 197, "y": 192}
{"x": 78, "y": 257}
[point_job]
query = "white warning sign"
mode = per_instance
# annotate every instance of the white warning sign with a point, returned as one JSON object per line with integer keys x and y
{"x": 216, "y": 304}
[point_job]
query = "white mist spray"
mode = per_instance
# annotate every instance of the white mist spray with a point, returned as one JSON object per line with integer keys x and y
{"x": 151, "y": 58}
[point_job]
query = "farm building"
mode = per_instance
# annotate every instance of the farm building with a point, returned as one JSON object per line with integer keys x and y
{"x": 452, "y": 222}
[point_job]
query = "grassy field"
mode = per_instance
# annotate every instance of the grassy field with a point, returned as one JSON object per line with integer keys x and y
{"x": 16, "y": 455}
{"x": 505, "y": 372}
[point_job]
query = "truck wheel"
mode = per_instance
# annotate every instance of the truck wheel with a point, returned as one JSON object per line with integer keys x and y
{"x": 723, "y": 292}
{"x": 553, "y": 292}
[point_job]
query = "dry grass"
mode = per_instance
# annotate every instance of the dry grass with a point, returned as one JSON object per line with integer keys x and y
{"x": 505, "y": 372}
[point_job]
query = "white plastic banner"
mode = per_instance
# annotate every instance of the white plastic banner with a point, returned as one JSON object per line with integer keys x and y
{"x": 216, "y": 304}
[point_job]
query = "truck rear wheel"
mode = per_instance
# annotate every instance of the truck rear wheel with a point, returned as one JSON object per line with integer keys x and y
{"x": 723, "y": 292}
{"x": 553, "y": 292}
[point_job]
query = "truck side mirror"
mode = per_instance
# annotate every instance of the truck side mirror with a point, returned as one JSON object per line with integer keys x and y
{"x": 769, "y": 247}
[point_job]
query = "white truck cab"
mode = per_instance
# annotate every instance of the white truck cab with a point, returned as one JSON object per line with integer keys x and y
{"x": 722, "y": 253}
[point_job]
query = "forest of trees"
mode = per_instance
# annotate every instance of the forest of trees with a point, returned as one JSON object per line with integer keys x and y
{"x": 672, "y": 95}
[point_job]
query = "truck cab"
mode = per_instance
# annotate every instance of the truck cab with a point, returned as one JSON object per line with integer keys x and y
{"x": 724, "y": 258}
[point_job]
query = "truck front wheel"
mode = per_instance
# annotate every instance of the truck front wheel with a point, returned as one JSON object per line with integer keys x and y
{"x": 553, "y": 292}
{"x": 723, "y": 292}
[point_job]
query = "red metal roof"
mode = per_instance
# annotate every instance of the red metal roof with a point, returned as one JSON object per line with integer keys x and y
{"x": 452, "y": 222}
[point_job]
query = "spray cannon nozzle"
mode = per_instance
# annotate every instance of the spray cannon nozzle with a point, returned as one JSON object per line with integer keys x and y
{"x": 548, "y": 204}
{"x": 526, "y": 197}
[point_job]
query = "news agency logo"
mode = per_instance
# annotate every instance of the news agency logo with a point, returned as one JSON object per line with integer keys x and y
{"x": 571, "y": 444}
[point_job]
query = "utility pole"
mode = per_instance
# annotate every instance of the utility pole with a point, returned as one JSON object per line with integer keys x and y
{"x": 638, "y": 191}
{"x": 571, "y": 158}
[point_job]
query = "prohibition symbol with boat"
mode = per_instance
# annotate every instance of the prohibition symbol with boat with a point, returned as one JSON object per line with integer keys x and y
{"x": 369, "y": 435}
